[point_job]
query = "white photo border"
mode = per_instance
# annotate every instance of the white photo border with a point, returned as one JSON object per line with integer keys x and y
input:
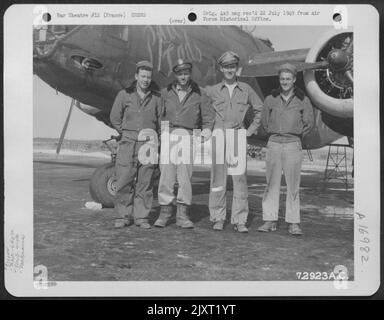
{"x": 18, "y": 148}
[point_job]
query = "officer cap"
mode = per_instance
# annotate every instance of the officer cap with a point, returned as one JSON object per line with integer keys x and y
{"x": 144, "y": 64}
{"x": 288, "y": 67}
{"x": 227, "y": 58}
{"x": 182, "y": 65}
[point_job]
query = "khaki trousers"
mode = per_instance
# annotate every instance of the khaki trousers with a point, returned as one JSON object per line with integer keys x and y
{"x": 178, "y": 169}
{"x": 218, "y": 190}
{"x": 287, "y": 158}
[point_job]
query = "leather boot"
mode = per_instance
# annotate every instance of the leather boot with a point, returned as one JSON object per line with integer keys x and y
{"x": 143, "y": 224}
{"x": 241, "y": 228}
{"x": 122, "y": 222}
{"x": 125, "y": 216}
{"x": 268, "y": 226}
{"x": 218, "y": 225}
{"x": 295, "y": 229}
{"x": 182, "y": 219}
{"x": 165, "y": 215}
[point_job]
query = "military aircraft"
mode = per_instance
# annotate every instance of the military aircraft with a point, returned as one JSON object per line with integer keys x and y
{"x": 91, "y": 63}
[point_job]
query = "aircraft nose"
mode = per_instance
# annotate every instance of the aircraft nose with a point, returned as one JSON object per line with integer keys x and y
{"x": 43, "y": 42}
{"x": 46, "y": 37}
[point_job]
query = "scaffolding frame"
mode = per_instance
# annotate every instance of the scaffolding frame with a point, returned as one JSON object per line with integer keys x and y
{"x": 337, "y": 165}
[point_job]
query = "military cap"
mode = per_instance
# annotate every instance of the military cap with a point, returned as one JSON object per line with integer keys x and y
{"x": 144, "y": 64}
{"x": 227, "y": 58}
{"x": 288, "y": 67}
{"x": 182, "y": 65}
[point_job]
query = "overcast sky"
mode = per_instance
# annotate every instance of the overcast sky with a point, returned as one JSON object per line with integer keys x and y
{"x": 50, "y": 109}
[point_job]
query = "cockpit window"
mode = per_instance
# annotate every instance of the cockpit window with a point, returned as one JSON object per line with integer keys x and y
{"x": 119, "y": 32}
{"x": 45, "y": 37}
{"x": 60, "y": 29}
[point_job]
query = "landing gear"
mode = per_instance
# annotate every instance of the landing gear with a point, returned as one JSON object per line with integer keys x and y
{"x": 103, "y": 181}
{"x": 102, "y": 185}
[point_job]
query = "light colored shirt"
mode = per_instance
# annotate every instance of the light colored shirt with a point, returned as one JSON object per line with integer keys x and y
{"x": 231, "y": 87}
{"x": 181, "y": 93}
{"x": 242, "y": 110}
{"x": 287, "y": 97}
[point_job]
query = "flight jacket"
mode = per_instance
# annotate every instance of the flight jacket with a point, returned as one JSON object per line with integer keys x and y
{"x": 130, "y": 113}
{"x": 290, "y": 120}
{"x": 193, "y": 112}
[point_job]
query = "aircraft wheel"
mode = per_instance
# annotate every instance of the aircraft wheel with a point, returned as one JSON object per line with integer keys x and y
{"x": 102, "y": 186}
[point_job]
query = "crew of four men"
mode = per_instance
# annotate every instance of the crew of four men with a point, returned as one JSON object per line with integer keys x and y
{"x": 286, "y": 116}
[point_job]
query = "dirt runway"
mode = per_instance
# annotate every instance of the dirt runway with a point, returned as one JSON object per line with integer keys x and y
{"x": 78, "y": 244}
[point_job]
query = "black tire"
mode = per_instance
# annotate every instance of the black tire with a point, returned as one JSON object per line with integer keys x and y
{"x": 102, "y": 184}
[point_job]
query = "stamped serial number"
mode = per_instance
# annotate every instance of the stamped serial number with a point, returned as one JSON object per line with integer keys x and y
{"x": 317, "y": 276}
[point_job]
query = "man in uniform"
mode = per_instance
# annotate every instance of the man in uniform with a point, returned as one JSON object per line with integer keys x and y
{"x": 135, "y": 108}
{"x": 186, "y": 107}
{"x": 233, "y": 101}
{"x": 287, "y": 117}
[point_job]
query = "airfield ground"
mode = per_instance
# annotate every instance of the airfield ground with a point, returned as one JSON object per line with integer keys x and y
{"x": 77, "y": 244}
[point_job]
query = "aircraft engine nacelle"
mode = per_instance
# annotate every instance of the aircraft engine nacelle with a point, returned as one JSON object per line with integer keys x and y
{"x": 331, "y": 88}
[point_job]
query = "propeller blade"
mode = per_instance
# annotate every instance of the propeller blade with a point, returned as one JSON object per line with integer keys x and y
{"x": 349, "y": 48}
{"x": 349, "y": 75}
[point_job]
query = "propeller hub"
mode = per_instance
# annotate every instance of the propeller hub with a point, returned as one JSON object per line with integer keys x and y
{"x": 338, "y": 59}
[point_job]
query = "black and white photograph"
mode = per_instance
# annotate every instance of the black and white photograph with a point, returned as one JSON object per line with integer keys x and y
{"x": 208, "y": 153}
